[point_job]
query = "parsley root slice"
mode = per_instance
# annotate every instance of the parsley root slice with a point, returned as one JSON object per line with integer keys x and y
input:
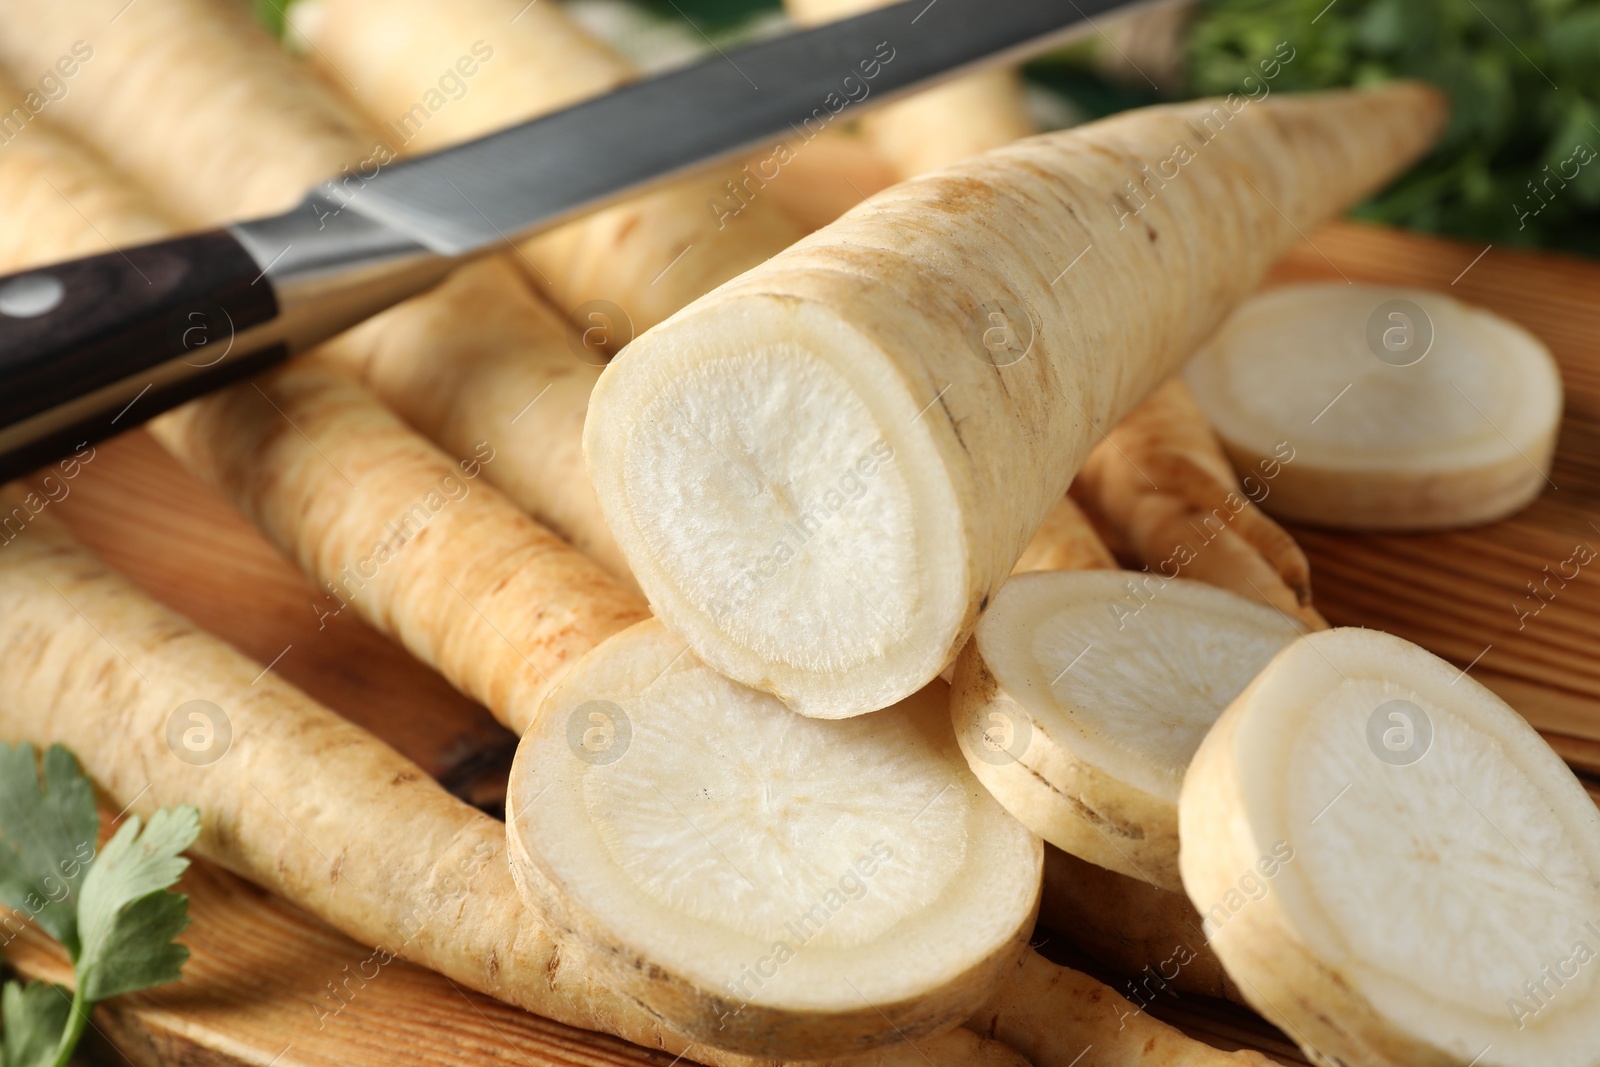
{"x": 1393, "y": 866}
{"x": 762, "y": 879}
{"x": 1405, "y": 410}
{"x": 820, "y": 474}
{"x": 1082, "y": 695}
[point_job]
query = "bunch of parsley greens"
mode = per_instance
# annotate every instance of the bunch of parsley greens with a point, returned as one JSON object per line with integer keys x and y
{"x": 113, "y": 912}
{"x": 1520, "y": 162}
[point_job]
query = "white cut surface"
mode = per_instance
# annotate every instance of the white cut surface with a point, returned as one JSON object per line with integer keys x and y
{"x": 1294, "y": 364}
{"x": 732, "y": 840}
{"x": 800, "y": 512}
{"x": 751, "y": 815}
{"x": 1131, "y": 671}
{"x": 1453, "y": 871}
{"x": 1447, "y": 897}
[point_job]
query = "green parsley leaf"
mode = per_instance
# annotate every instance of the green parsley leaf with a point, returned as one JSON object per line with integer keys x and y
{"x": 1520, "y": 163}
{"x": 114, "y": 912}
{"x": 127, "y": 917}
{"x": 47, "y": 837}
{"x": 35, "y": 1016}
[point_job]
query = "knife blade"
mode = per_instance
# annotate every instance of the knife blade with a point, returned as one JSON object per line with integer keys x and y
{"x": 91, "y": 347}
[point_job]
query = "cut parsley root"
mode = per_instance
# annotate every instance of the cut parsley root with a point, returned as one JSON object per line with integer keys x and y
{"x": 931, "y": 129}
{"x": 820, "y": 475}
{"x": 1405, "y": 409}
{"x": 506, "y": 644}
{"x": 763, "y": 880}
{"x": 477, "y": 569}
{"x": 1431, "y": 867}
{"x": 112, "y": 910}
{"x": 426, "y": 878}
{"x": 492, "y": 647}
{"x": 478, "y": 362}
{"x": 649, "y": 255}
{"x": 1162, "y": 486}
{"x": 1082, "y": 695}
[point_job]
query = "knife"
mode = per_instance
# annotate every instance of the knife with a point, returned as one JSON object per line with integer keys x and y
{"x": 94, "y": 346}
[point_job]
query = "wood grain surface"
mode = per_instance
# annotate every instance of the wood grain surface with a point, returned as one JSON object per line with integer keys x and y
{"x": 267, "y": 985}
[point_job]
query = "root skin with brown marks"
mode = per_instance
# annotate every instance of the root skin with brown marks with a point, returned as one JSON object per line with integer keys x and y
{"x": 1162, "y": 486}
{"x": 1057, "y": 1017}
{"x": 384, "y": 520}
{"x": 884, "y": 310}
{"x": 481, "y": 360}
{"x": 650, "y": 254}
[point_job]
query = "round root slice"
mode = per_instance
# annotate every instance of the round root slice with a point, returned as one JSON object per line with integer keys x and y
{"x": 820, "y": 484}
{"x": 1083, "y": 694}
{"x": 765, "y": 882}
{"x": 1393, "y": 865}
{"x": 1381, "y": 408}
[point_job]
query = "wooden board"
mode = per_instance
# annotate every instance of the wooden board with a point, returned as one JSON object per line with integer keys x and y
{"x": 265, "y": 983}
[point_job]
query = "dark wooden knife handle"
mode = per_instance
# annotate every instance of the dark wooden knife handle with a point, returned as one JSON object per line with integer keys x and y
{"x": 69, "y": 329}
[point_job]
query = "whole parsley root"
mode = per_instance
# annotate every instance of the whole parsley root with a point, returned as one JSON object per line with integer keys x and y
{"x": 206, "y": 83}
{"x": 1066, "y": 541}
{"x": 386, "y": 522}
{"x": 1162, "y": 486}
{"x": 37, "y": 182}
{"x": 512, "y": 371}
